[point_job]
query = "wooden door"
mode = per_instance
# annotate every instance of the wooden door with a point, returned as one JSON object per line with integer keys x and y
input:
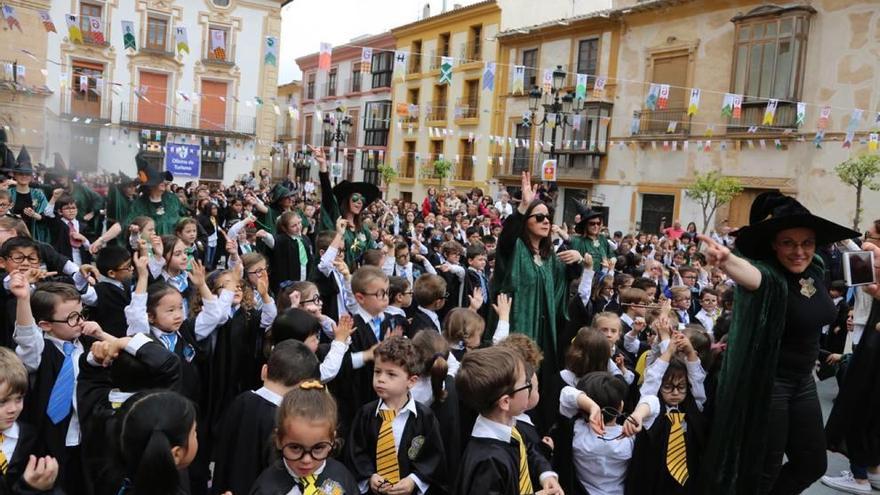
{"x": 151, "y": 108}
{"x": 213, "y": 106}
{"x": 740, "y": 207}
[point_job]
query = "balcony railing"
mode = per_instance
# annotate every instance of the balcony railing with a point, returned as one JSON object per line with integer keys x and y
{"x": 186, "y": 120}
{"x": 415, "y": 64}
{"x": 407, "y": 167}
{"x": 672, "y": 121}
{"x": 467, "y": 108}
{"x": 465, "y": 169}
{"x": 470, "y": 52}
{"x": 753, "y": 116}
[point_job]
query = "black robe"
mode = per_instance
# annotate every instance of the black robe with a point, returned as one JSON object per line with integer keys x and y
{"x": 11, "y": 481}
{"x": 285, "y": 262}
{"x": 243, "y": 445}
{"x": 110, "y": 310}
{"x": 328, "y": 290}
{"x": 472, "y": 282}
{"x": 490, "y": 467}
{"x": 420, "y": 452}
{"x": 647, "y": 473}
{"x": 59, "y": 233}
{"x": 421, "y": 321}
{"x": 447, "y": 414}
{"x": 275, "y": 480}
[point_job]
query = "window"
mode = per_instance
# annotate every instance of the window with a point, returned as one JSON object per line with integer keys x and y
{"x": 218, "y": 43}
{"x": 331, "y": 82}
{"x": 521, "y": 153}
{"x": 151, "y": 110}
{"x": 157, "y": 33}
{"x": 415, "y": 60}
{"x": 668, "y": 68}
{"x": 409, "y": 159}
{"x": 370, "y": 166}
{"x": 470, "y": 104}
{"x": 530, "y": 61}
{"x": 440, "y": 104}
{"x": 475, "y": 45}
{"x": 310, "y": 87}
{"x": 412, "y": 98}
{"x": 88, "y": 11}
{"x": 382, "y": 67}
{"x": 212, "y": 114}
{"x": 588, "y": 57}
{"x": 86, "y": 100}
{"x": 221, "y": 3}
{"x": 213, "y": 157}
{"x": 356, "y": 77}
{"x": 770, "y": 51}
{"x": 307, "y": 129}
{"x": 436, "y": 149}
{"x": 465, "y": 169}
{"x": 377, "y": 115}
{"x": 443, "y": 45}
{"x": 353, "y": 134}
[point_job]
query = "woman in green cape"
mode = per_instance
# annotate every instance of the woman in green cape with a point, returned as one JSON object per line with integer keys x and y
{"x": 28, "y": 202}
{"x": 348, "y": 200}
{"x": 537, "y": 280}
{"x": 154, "y": 201}
{"x": 766, "y": 404}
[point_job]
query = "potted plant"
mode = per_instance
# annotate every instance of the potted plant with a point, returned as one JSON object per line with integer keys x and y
{"x": 442, "y": 169}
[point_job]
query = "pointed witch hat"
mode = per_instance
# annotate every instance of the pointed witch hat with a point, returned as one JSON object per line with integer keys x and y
{"x": 148, "y": 175}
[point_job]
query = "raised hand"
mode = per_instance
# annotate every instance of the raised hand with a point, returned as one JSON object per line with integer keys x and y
{"x": 716, "y": 254}
{"x": 19, "y": 285}
{"x": 570, "y": 257}
{"x": 197, "y": 275}
{"x": 502, "y": 306}
{"x": 40, "y": 473}
{"x": 528, "y": 193}
{"x": 476, "y": 299}
{"x": 318, "y": 153}
{"x": 344, "y": 329}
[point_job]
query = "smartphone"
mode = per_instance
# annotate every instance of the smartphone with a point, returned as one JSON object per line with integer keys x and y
{"x": 858, "y": 268}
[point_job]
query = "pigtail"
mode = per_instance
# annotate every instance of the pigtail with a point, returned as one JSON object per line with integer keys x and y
{"x": 156, "y": 472}
{"x": 439, "y": 369}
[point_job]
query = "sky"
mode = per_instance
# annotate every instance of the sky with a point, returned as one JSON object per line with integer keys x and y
{"x": 307, "y": 23}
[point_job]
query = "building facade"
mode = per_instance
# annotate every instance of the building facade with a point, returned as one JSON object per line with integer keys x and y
{"x": 360, "y": 90}
{"x": 813, "y": 53}
{"x": 192, "y": 78}
{"x": 437, "y": 120}
{"x": 287, "y": 130}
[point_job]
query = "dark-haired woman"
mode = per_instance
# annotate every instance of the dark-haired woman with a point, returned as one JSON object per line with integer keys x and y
{"x": 537, "y": 280}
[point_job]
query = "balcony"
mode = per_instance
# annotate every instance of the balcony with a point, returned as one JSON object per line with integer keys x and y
{"x": 95, "y": 38}
{"x": 189, "y": 122}
{"x": 659, "y": 122}
{"x": 753, "y": 116}
{"x": 407, "y": 167}
{"x": 329, "y": 90}
{"x": 221, "y": 58}
{"x": 354, "y": 84}
{"x": 415, "y": 64}
{"x": 464, "y": 170}
{"x": 467, "y": 108}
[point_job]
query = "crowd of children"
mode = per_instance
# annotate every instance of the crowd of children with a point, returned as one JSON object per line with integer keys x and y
{"x": 353, "y": 346}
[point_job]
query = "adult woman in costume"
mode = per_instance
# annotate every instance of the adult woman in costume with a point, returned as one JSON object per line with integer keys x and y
{"x": 537, "y": 280}
{"x": 154, "y": 201}
{"x": 348, "y": 200}
{"x": 766, "y": 403}
{"x": 28, "y": 202}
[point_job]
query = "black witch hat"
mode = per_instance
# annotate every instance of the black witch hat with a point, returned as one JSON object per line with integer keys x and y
{"x": 773, "y": 212}
{"x": 148, "y": 175}
{"x": 586, "y": 214}
{"x": 345, "y": 189}
{"x": 278, "y": 193}
{"x": 22, "y": 163}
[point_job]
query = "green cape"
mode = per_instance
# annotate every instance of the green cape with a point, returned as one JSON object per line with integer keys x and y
{"x": 39, "y": 229}
{"x": 734, "y": 456}
{"x": 165, "y": 222}
{"x": 599, "y": 253}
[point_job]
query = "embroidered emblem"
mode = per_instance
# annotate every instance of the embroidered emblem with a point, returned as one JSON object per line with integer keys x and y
{"x": 807, "y": 287}
{"x": 330, "y": 487}
{"x": 160, "y": 210}
{"x": 416, "y": 447}
{"x": 596, "y": 243}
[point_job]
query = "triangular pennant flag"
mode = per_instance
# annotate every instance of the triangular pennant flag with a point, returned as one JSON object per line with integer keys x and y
{"x": 366, "y": 59}
{"x": 663, "y": 98}
{"x": 824, "y": 117}
{"x": 547, "y": 81}
{"x": 128, "y": 39}
{"x": 270, "y": 56}
{"x": 11, "y": 18}
{"x": 580, "y": 89}
{"x": 445, "y": 70}
{"x": 801, "y": 113}
{"x": 851, "y": 128}
{"x": 599, "y": 87}
{"x": 770, "y": 112}
{"x": 401, "y": 59}
{"x": 46, "y": 19}
{"x": 324, "y": 55}
{"x": 872, "y": 141}
{"x": 727, "y": 105}
{"x": 518, "y": 84}
{"x": 653, "y": 96}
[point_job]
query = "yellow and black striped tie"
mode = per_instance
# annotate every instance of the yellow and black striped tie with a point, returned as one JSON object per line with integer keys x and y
{"x": 386, "y": 453}
{"x": 308, "y": 485}
{"x": 676, "y": 450}
{"x": 525, "y": 480}
{"x": 4, "y": 463}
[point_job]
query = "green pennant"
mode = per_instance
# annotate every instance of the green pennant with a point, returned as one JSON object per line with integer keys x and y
{"x": 446, "y": 70}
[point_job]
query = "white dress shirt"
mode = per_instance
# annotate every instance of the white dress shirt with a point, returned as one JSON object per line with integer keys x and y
{"x": 397, "y": 427}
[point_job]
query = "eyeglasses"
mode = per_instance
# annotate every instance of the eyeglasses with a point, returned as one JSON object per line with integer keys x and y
{"x": 124, "y": 268}
{"x": 402, "y": 256}
{"x": 790, "y": 245}
{"x": 527, "y": 386}
{"x": 318, "y": 452}
{"x": 257, "y": 272}
{"x": 356, "y": 198}
{"x": 73, "y": 319}
{"x": 540, "y": 217}
{"x": 610, "y": 412}
{"x": 689, "y": 277}
{"x": 379, "y": 294}
{"x": 20, "y": 258}
{"x": 5, "y": 205}
{"x": 595, "y": 223}
{"x": 315, "y": 300}
{"x": 669, "y": 388}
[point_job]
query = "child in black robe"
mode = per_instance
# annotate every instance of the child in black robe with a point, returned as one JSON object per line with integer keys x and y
{"x": 682, "y": 396}
{"x": 306, "y": 424}
{"x": 290, "y": 253}
{"x": 497, "y": 459}
{"x": 395, "y": 441}
{"x": 114, "y": 294}
{"x": 243, "y": 445}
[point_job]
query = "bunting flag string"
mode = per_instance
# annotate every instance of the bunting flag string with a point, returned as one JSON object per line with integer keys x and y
{"x": 694, "y": 103}
{"x": 128, "y": 39}
{"x": 46, "y": 19}
{"x": 11, "y": 18}
{"x": 445, "y": 70}
{"x": 181, "y": 40}
{"x": 401, "y": 60}
{"x": 489, "y": 77}
{"x": 74, "y": 34}
{"x": 271, "y": 51}
{"x": 547, "y": 81}
{"x": 324, "y": 54}
{"x": 770, "y": 112}
{"x": 519, "y": 75}
{"x": 366, "y": 59}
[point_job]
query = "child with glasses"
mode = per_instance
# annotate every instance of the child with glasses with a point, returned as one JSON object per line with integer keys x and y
{"x": 305, "y": 437}
{"x": 667, "y": 455}
{"x": 497, "y": 459}
{"x": 395, "y": 443}
{"x": 65, "y": 231}
{"x": 296, "y": 324}
{"x": 243, "y": 445}
{"x": 113, "y": 289}
{"x": 51, "y": 335}
{"x": 604, "y": 436}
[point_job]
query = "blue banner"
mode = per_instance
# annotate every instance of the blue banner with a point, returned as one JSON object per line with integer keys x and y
{"x": 183, "y": 160}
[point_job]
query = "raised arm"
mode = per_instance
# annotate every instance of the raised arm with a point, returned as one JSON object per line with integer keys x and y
{"x": 738, "y": 269}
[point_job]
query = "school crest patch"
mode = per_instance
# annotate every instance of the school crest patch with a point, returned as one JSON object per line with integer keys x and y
{"x": 808, "y": 288}
{"x": 331, "y": 487}
{"x": 415, "y": 447}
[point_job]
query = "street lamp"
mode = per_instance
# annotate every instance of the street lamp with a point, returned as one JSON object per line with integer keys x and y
{"x": 337, "y": 125}
{"x": 558, "y": 108}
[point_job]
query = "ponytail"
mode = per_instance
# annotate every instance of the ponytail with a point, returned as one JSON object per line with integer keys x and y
{"x": 156, "y": 472}
{"x": 439, "y": 369}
